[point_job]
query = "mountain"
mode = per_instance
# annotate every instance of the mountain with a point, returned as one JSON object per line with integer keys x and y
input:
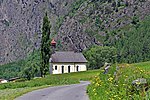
{"x": 76, "y": 24}
{"x": 20, "y": 25}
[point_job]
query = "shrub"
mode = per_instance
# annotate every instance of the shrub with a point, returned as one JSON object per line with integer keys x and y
{"x": 98, "y": 55}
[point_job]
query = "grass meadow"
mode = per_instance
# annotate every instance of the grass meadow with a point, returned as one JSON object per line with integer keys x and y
{"x": 117, "y": 83}
{"x": 11, "y": 90}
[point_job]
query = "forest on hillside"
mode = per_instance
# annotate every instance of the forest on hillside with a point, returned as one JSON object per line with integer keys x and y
{"x": 117, "y": 25}
{"x": 132, "y": 42}
{"x": 129, "y": 44}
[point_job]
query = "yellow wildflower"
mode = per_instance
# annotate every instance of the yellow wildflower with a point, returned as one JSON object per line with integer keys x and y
{"x": 141, "y": 70}
{"x": 110, "y": 79}
{"x": 115, "y": 96}
{"x": 138, "y": 83}
{"x": 94, "y": 90}
{"x": 107, "y": 92}
{"x": 95, "y": 94}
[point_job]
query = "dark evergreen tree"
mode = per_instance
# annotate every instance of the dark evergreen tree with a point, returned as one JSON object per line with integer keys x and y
{"x": 45, "y": 46}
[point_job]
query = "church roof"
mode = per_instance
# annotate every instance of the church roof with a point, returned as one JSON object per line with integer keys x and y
{"x": 68, "y": 57}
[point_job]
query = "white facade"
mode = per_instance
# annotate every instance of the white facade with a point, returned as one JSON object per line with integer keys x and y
{"x": 59, "y": 68}
{"x": 67, "y": 62}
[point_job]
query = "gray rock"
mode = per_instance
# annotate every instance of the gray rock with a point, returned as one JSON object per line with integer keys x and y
{"x": 139, "y": 81}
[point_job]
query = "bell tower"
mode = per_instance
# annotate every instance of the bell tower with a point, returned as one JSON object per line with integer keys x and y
{"x": 53, "y": 45}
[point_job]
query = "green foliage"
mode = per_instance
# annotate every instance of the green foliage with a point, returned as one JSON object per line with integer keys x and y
{"x": 59, "y": 22}
{"x": 135, "y": 20}
{"x": 50, "y": 80}
{"x": 29, "y": 72}
{"x": 83, "y": 20}
{"x": 59, "y": 45}
{"x": 17, "y": 69}
{"x": 117, "y": 84}
{"x": 98, "y": 22}
{"x": 11, "y": 70}
{"x": 132, "y": 42}
{"x": 98, "y": 55}
{"x": 90, "y": 32}
{"x": 32, "y": 66}
{"x": 59, "y": 79}
{"x": 45, "y": 46}
{"x": 15, "y": 90}
{"x": 75, "y": 7}
{"x": 11, "y": 94}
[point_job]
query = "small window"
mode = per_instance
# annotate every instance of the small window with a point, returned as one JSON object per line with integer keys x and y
{"x": 55, "y": 67}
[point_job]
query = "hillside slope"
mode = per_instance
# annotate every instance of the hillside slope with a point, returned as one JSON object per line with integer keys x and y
{"x": 91, "y": 20}
{"x": 76, "y": 24}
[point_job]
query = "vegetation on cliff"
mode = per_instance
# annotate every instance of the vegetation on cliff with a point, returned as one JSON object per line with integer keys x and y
{"x": 132, "y": 42}
{"x": 27, "y": 68}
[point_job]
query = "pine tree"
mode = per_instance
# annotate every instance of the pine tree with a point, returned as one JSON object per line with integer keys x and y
{"x": 45, "y": 46}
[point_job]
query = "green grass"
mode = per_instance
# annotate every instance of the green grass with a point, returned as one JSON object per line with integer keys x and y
{"x": 143, "y": 65}
{"x": 10, "y": 94}
{"x": 12, "y": 90}
{"x": 103, "y": 86}
{"x": 86, "y": 76}
{"x": 119, "y": 86}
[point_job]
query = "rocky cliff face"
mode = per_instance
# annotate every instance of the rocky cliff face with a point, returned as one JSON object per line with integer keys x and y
{"x": 20, "y": 25}
{"x": 92, "y": 21}
{"x": 76, "y": 24}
